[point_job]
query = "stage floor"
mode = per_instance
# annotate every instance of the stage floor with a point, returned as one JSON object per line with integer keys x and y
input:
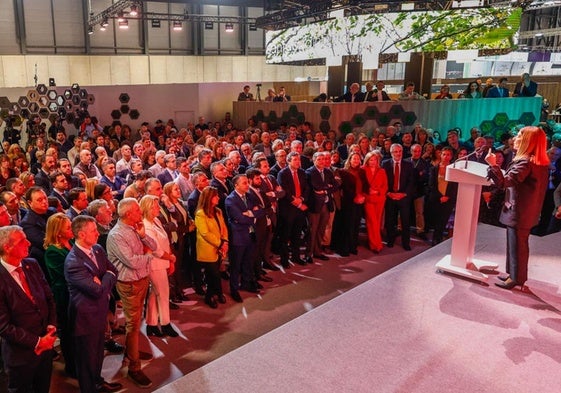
{"x": 411, "y": 329}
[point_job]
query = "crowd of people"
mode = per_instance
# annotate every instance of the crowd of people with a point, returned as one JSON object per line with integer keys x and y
{"x": 111, "y": 215}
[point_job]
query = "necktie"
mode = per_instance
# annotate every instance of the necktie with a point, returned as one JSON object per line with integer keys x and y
{"x": 24, "y": 283}
{"x": 92, "y": 257}
{"x": 396, "y": 177}
{"x": 244, "y": 199}
{"x": 269, "y": 185}
{"x": 297, "y": 191}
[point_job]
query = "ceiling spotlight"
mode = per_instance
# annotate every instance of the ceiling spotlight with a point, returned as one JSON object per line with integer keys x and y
{"x": 120, "y": 16}
{"x": 177, "y": 25}
{"x": 104, "y": 22}
{"x": 124, "y": 24}
{"x": 134, "y": 10}
{"x": 90, "y": 30}
{"x": 102, "y": 27}
{"x": 538, "y": 35}
{"x": 229, "y": 27}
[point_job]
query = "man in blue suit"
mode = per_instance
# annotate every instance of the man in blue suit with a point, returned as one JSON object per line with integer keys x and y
{"x": 90, "y": 277}
{"x": 499, "y": 91}
{"x": 401, "y": 188}
{"x": 242, "y": 214}
{"x": 170, "y": 173}
{"x": 27, "y": 316}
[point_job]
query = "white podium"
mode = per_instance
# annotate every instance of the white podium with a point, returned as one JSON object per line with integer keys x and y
{"x": 471, "y": 176}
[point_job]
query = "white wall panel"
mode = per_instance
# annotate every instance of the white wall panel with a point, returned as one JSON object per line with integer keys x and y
{"x": 14, "y": 71}
{"x": 210, "y": 68}
{"x": 100, "y": 70}
{"x": 78, "y": 70}
{"x": 120, "y": 70}
{"x": 157, "y": 69}
{"x": 140, "y": 70}
{"x": 240, "y": 66}
{"x": 18, "y": 71}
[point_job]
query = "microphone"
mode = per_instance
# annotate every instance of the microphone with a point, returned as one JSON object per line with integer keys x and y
{"x": 481, "y": 150}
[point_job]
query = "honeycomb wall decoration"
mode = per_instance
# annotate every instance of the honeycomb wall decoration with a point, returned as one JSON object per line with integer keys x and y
{"x": 69, "y": 105}
{"x": 124, "y": 109}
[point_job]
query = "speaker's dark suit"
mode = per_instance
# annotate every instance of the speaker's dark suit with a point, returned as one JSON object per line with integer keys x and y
{"x": 291, "y": 219}
{"x": 525, "y": 184}
{"x": 90, "y": 288}
{"x": 348, "y": 97}
{"x": 242, "y": 240}
{"x": 522, "y": 91}
{"x": 403, "y": 206}
{"x": 22, "y": 322}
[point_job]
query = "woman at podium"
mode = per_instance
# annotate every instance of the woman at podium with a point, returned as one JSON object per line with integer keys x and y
{"x": 525, "y": 182}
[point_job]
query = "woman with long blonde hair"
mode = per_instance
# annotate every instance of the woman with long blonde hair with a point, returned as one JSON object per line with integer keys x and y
{"x": 525, "y": 182}
{"x": 57, "y": 245}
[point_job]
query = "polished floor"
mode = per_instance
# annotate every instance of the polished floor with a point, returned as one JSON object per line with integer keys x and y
{"x": 207, "y": 334}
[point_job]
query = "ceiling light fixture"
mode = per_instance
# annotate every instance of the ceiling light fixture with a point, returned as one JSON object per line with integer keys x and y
{"x": 90, "y": 30}
{"x": 124, "y": 24}
{"x": 177, "y": 25}
{"x": 229, "y": 27}
{"x": 102, "y": 27}
{"x": 134, "y": 10}
{"x": 120, "y": 16}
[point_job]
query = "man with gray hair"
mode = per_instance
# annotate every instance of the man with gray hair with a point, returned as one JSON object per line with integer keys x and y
{"x": 170, "y": 173}
{"x": 126, "y": 246}
{"x": 27, "y": 316}
{"x": 160, "y": 165}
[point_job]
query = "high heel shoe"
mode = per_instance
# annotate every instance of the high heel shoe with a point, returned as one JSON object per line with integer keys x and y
{"x": 508, "y": 284}
{"x": 211, "y": 302}
{"x": 221, "y": 299}
{"x": 169, "y": 331}
{"x": 153, "y": 331}
{"x": 503, "y": 278}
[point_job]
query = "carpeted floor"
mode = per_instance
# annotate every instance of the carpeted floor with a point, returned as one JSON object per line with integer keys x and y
{"x": 410, "y": 329}
{"x": 208, "y": 334}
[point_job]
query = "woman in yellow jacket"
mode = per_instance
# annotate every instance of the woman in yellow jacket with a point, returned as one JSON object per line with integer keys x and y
{"x": 212, "y": 243}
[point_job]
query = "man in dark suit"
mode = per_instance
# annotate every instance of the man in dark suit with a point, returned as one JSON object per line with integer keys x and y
{"x": 42, "y": 178}
{"x": 170, "y": 173}
{"x": 272, "y": 191}
{"x": 292, "y": 209}
{"x": 379, "y": 93}
{"x": 353, "y": 95}
{"x": 526, "y": 87}
{"x": 78, "y": 202}
{"x": 241, "y": 214}
{"x": 499, "y": 91}
{"x": 344, "y": 148}
{"x": 34, "y": 223}
{"x": 401, "y": 186}
{"x": 60, "y": 188}
{"x": 90, "y": 278}
{"x": 245, "y": 95}
{"x": 27, "y": 316}
{"x": 221, "y": 182}
{"x": 322, "y": 184}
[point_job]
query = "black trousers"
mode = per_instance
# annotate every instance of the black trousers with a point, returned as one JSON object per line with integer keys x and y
{"x": 89, "y": 360}
{"x": 212, "y": 278}
{"x": 517, "y": 254}
{"x": 32, "y": 377}
{"x": 392, "y": 209}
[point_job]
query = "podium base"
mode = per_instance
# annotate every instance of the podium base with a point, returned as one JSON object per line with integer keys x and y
{"x": 445, "y": 265}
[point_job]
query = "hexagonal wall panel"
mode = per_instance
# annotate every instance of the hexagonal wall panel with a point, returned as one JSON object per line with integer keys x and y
{"x": 14, "y": 108}
{"x": 325, "y": 113}
{"x": 44, "y": 113}
{"x": 43, "y": 101}
{"x": 527, "y": 118}
{"x": 486, "y": 127}
{"x": 500, "y": 119}
{"x": 134, "y": 114}
{"x": 76, "y": 100}
{"x": 25, "y": 113}
{"x": 124, "y": 98}
{"x": 91, "y": 99}
{"x": 23, "y": 101}
{"x": 358, "y": 120}
{"x": 62, "y": 112}
{"x": 52, "y": 95}
{"x": 67, "y": 94}
{"x": 408, "y": 118}
{"x": 75, "y": 88}
{"x": 125, "y": 109}
{"x": 34, "y": 107}
{"x": 115, "y": 114}
{"x": 53, "y": 107}
{"x": 4, "y": 102}
{"x": 32, "y": 95}
{"x": 346, "y": 127}
{"x": 83, "y": 94}
{"x": 371, "y": 112}
{"x": 42, "y": 89}
{"x": 324, "y": 126}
